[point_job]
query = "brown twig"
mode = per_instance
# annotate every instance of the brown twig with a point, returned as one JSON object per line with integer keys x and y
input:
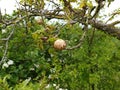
{"x": 98, "y": 8}
{"x": 80, "y": 42}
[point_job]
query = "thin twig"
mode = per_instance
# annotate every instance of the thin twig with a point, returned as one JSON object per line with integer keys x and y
{"x": 80, "y": 43}
{"x": 6, "y": 47}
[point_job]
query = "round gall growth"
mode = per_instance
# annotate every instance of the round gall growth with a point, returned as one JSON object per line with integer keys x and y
{"x": 40, "y": 22}
{"x": 59, "y": 44}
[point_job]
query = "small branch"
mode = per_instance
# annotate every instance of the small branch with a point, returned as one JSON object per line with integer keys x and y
{"x": 3, "y": 39}
{"x": 68, "y": 5}
{"x": 98, "y": 8}
{"x": 114, "y": 23}
{"x": 1, "y": 46}
{"x": 80, "y": 43}
{"x": 55, "y": 3}
{"x": 6, "y": 47}
{"x": 6, "y": 24}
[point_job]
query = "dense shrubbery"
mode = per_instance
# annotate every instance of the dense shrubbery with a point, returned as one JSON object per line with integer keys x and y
{"x": 95, "y": 64}
{"x": 29, "y": 60}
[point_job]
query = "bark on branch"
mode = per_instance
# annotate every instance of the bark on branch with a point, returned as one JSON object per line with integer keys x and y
{"x": 107, "y": 28}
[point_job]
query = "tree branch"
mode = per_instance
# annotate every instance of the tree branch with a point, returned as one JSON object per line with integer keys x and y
{"x": 50, "y": 14}
{"x": 114, "y": 31}
{"x": 80, "y": 42}
{"x": 114, "y": 23}
{"x": 6, "y": 47}
{"x": 99, "y": 7}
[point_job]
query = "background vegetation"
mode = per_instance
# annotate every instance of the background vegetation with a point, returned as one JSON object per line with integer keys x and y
{"x": 30, "y": 62}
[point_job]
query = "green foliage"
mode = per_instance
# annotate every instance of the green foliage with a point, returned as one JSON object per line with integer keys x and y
{"x": 4, "y": 84}
{"x": 95, "y": 64}
{"x": 37, "y": 65}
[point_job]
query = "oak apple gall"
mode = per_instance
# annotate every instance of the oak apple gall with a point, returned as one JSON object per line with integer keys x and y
{"x": 40, "y": 22}
{"x": 59, "y": 44}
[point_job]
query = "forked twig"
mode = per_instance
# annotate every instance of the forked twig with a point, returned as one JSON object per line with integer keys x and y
{"x": 80, "y": 42}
